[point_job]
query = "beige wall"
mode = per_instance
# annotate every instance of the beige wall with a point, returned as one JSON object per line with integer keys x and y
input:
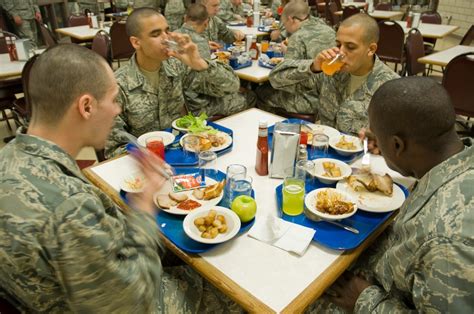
{"x": 462, "y": 12}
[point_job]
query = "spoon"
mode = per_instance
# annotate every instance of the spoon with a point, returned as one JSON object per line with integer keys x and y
{"x": 315, "y": 218}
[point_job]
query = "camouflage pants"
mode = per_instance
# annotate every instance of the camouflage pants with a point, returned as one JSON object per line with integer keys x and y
{"x": 184, "y": 291}
{"x": 227, "y": 105}
{"x": 269, "y": 99}
{"x": 28, "y": 29}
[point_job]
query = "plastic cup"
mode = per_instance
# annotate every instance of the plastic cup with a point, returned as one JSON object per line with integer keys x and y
{"x": 156, "y": 146}
{"x": 234, "y": 172}
{"x": 241, "y": 186}
{"x": 320, "y": 144}
{"x": 264, "y": 44}
{"x": 207, "y": 164}
{"x": 190, "y": 146}
{"x": 293, "y": 196}
{"x": 330, "y": 67}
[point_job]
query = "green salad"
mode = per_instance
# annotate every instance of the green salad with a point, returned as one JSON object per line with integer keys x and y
{"x": 195, "y": 124}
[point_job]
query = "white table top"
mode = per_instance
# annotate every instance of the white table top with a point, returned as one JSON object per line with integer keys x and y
{"x": 82, "y": 32}
{"x": 378, "y": 14}
{"x": 9, "y": 68}
{"x": 248, "y": 30}
{"x": 346, "y": 4}
{"x": 254, "y": 73}
{"x": 431, "y": 30}
{"x": 442, "y": 58}
{"x": 273, "y": 276}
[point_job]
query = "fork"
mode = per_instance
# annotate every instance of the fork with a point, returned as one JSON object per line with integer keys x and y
{"x": 315, "y": 218}
{"x": 366, "y": 156}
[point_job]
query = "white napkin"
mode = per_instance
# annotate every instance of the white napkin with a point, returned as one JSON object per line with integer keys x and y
{"x": 283, "y": 234}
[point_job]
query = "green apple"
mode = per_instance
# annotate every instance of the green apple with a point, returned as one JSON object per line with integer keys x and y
{"x": 245, "y": 207}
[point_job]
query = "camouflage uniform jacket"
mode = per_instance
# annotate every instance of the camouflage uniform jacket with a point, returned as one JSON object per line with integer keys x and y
{"x": 425, "y": 260}
{"x": 338, "y": 109}
{"x": 228, "y": 11}
{"x": 156, "y": 4}
{"x": 174, "y": 13}
{"x": 198, "y": 39}
{"x": 217, "y": 30}
{"x": 310, "y": 39}
{"x": 145, "y": 109}
{"x": 25, "y": 9}
{"x": 64, "y": 245}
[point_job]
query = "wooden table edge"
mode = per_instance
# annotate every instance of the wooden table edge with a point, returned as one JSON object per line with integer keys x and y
{"x": 206, "y": 270}
{"x": 426, "y": 60}
{"x": 326, "y": 279}
{"x": 251, "y": 78}
{"x": 455, "y": 28}
{"x": 72, "y": 35}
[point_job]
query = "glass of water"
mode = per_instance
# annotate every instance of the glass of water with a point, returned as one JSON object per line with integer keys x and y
{"x": 241, "y": 186}
{"x": 319, "y": 146}
{"x": 234, "y": 172}
{"x": 207, "y": 164}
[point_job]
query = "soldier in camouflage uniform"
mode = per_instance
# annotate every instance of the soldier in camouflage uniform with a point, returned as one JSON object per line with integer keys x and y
{"x": 65, "y": 247}
{"x": 231, "y": 10}
{"x": 217, "y": 30}
{"x": 155, "y": 4}
{"x": 91, "y": 5}
{"x": 24, "y": 13}
{"x": 174, "y": 13}
{"x": 309, "y": 37}
{"x": 423, "y": 261}
{"x": 152, "y": 98}
{"x": 345, "y": 96}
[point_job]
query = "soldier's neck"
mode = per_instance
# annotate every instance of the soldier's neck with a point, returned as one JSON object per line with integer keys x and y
{"x": 148, "y": 64}
{"x": 70, "y": 142}
{"x": 365, "y": 69}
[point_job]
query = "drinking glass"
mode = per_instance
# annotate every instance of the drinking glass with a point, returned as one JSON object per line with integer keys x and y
{"x": 303, "y": 168}
{"x": 156, "y": 146}
{"x": 329, "y": 67}
{"x": 293, "y": 196}
{"x": 319, "y": 147}
{"x": 234, "y": 172}
{"x": 264, "y": 46}
{"x": 240, "y": 186}
{"x": 207, "y": 164}
{"x": 190, "y": 146}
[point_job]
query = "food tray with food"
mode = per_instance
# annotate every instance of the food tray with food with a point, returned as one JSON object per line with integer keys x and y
{"x": 273, "y": 62}
{"x": 332, "y": 236}
{"x": 171, "y": 225}
{"x": 175, "y": 156}
{"x": 312, "y": 153}
{"x": 241, "y": 65}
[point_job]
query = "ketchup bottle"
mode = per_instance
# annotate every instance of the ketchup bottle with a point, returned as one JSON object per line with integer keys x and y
{"x": 261, "y": 164}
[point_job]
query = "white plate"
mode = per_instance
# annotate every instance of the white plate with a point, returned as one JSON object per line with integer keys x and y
{"x": 126, "y": 186}
{"x": 236, "y": 23}
{"x": 173, "y": 124}
{"x": 227, "y": 143}
{"x": 168, "y": 137}
{"x": 310, "y": 203}
{"x": 231, "y": 218}
{"x": 318, "y": 170}
{"x": 349, "y": 138}
{"x": 319, "y": 128}
{"x": 168, "y": 187}
{"x": 375, "y": 202}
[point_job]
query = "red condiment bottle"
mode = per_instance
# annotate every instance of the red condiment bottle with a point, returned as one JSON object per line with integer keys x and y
{"x": 253, "y": 50}
{"x": 249, "y": 21}
{"x": 261, "y": 164}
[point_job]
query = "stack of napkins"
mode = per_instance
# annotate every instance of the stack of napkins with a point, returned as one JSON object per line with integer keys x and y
{"x": 282, "y": 234}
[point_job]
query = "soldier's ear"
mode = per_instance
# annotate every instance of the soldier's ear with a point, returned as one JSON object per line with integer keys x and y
{"x": 372, "y": 49}
{"x": 135, "y": 41}
{"x": 85, "y": 106}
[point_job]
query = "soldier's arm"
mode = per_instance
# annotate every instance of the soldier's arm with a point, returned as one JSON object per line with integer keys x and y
{"x": 225, "y": 13}
{"x": 106, "y": 262}
{"x": 439, "y": 281}
{"x": 115, "y": 144}
{"x": 296, "y": 49}
{"x": 36, "y": 7}
{"x": 219, "y": 79}
{"x": 11, "y": 7}
{"x": 295, "y": 76}
{"x": 224, "y": 33}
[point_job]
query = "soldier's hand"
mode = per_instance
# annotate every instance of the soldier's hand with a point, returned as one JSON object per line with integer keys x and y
{"x": 372, "y": 141}
{"x": 238, "y": 35}
{"x": 188, "y": 52}
{"x": 274, "y": 35}
{"x": 38, "y": 16}
{"x": 324, "y": 55}
{"x": 17, "y": 20}
{"x": 214, "y": 46}
{"x": 346, "y": 290}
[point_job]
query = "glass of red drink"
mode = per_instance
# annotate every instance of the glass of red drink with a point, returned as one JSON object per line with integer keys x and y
{"x": 156, "y": 146}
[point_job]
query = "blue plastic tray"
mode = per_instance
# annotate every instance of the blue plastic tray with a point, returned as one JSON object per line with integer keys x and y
{"x": 312, "y": 155}
{"x": 265, "y": 65}
{"x": 172, "y": 225}
{"x": 176, "y": 157}
{"x": 332, "y": 236}
{"x": 244, "y": 65}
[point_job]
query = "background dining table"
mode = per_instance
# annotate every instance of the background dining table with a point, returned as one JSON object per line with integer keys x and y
{"x": 443, "y": 57}
{"x": 258, "y": 276}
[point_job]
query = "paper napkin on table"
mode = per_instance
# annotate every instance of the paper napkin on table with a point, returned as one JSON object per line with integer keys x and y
{"x": 283, "y": 234}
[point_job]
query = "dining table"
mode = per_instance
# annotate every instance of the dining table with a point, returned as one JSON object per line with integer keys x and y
{"x": 248, "y": 30}
{"x": 260, "y": 277}
{"x": 83, "y": 32}
{"x": 380, "y": 14}
{"x": 254, "y": 73}
{"x": 9, "y": 69}
{"x": 443, "y": 57}
{"x": 428, "y": 30}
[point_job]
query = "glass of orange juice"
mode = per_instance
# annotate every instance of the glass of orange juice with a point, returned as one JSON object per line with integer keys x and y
{"x": 264, "y": 46}
{"x": 330, "y": 67}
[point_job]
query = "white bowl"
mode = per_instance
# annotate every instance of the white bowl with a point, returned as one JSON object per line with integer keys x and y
{"x": 232, "y": 221}
{"x": 167, "y": 137}
{"x": 310, "y": 203}
{"x": 133, "y": 183}
{"x": 318, "y": 170}
{"x": 349, "y": 138}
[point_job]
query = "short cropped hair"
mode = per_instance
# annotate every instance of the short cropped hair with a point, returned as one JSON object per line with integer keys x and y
{"x": 296, "y": 8}
{"x": 60, "y": 75}
{"x": 368, "y": 23}
{"x": 197, "y": 13}
{"x": 413, "y": 107}
{"x": 133, "y": 26}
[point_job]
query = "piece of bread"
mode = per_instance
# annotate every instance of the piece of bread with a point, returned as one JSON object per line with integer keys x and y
{"x": 214, "y": 190}
{"x": 178, "y": 197}
{"x": 384, "y": 184}
{"x": 165, "y": 202}
{"x": 198, "y": 194}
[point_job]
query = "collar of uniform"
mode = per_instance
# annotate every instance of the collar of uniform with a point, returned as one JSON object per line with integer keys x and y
{"x": 135, "y": 77}
{"x": 36, "y": 146}
{"x": 310, "y": 21}
{"x": 370, "y": 79}
{"x": 188, "y": 27}
{"x": 442, "y": 173}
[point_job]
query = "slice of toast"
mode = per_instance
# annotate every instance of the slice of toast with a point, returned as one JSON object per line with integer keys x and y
{"x": 165, "y": 202}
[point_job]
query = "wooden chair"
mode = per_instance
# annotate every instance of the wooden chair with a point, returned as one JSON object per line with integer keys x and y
{"x": 468, "y": 37}
{"x": 430, "y": 18}
{"x": 78, "y": 20}
{"x": 330, "y": 10}
{"x": 103, "y": 46}
{"x": 121, "y": 46}
{"x": 415, "y": 50}
{"x": 48, "y": 37}
{"x": 391, "y": 44}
